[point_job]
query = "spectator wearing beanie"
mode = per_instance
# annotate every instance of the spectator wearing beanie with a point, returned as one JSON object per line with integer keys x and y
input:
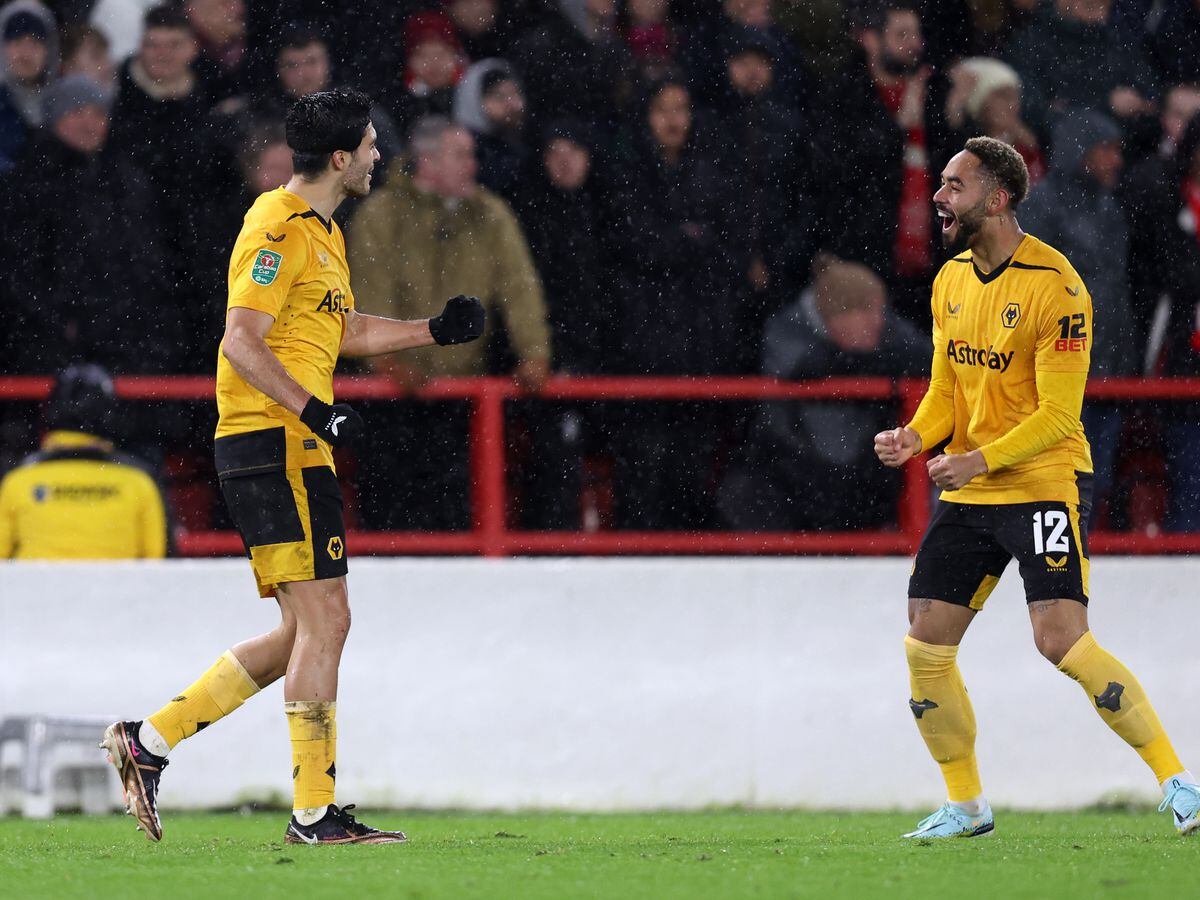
{"x": 985, "y": 98}
{"x": 29, "y": 57}
{"x": 434, "y": 64}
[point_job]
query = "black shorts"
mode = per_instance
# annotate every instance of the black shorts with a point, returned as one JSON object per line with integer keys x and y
{"x": 290, "y": 520}
{"x": 968, "y": 545}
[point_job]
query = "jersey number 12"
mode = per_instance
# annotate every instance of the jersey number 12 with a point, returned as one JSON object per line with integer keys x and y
{"x": 1055, "y": 522}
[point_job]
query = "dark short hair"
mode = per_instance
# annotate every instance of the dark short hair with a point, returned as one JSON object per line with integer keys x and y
{"x": 873, "y": 15}
{"x": 1003, "y": 164}
{"x": 300, "y": 36}
{"x": 320, "y": 124}
{"x": 166, "y": 16}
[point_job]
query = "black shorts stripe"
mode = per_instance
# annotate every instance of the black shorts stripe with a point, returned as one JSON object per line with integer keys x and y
{"x": 325, "y": 522}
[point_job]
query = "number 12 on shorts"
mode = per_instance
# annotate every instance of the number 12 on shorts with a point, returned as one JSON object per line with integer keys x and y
{"x": 1050, "y": 532}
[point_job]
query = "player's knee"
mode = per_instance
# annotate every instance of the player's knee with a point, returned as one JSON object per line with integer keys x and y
{"x": 1055, "y": 643}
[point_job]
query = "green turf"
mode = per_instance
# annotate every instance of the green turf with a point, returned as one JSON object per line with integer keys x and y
{"x": 665, "y": 855}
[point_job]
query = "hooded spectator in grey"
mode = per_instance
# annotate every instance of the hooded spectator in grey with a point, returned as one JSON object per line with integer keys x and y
{"x": 1076, "y": 211}
{"x": 29, "y": 55}
{"x": 490, "y": 103}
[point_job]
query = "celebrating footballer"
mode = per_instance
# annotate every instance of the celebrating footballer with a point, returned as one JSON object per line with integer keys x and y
{"x": 290, "y": 316}
{"x": 1012, "y": 330}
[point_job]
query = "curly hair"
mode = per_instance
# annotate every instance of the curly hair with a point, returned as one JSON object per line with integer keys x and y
{"x": 1004, "y": 166}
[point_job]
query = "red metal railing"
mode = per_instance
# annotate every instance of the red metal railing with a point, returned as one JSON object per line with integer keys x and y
{"x": 491, "y": 536}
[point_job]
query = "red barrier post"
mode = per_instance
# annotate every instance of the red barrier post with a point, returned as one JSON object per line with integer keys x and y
{"x": 913, "y": 513}
{"x": 489, "y": 502}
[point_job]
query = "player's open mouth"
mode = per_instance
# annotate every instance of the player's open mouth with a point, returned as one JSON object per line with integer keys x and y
{"x": 948, "y": 219}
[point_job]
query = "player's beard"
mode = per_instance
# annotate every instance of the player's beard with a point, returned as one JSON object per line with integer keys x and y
{"x": 359, "y": 187}
{"x": 966, "y": 226}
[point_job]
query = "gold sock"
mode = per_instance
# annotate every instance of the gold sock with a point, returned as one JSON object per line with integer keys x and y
{"x": 1122, "y": 704}
{"x": 944, "y": 715}
{"x": 218, "y": 692}
{"x": 313, "y": 727}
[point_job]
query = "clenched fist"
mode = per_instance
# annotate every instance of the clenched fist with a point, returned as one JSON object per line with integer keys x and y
{"x": 896, "y": 447}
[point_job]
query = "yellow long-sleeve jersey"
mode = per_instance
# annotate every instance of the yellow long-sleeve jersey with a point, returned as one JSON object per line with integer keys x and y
{"x": 76, "y": 499}
{"x": 1011, "y": 350}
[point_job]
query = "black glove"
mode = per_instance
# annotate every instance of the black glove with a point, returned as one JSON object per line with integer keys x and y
{"x": 461, "y": 321}
{"x": 335, "y": 425}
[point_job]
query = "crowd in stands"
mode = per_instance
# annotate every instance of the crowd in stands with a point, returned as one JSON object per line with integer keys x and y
{"x": 632, "y": 187}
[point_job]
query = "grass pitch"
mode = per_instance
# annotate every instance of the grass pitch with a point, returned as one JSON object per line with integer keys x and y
{"x": 725, "y": 854}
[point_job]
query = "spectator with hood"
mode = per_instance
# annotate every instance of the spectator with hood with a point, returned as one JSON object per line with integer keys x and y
{"x": 560, "y": 209}
{"x": 559, "y": 206}
{"x": 671, "y": 216}
{"x": 1163, "y": 199}
{"x": 807, "y": 465}
{"x": 77, "y": 497}
{"x": 702, "y": 53}
{"x": 769, "y": 170}
{"x": 490, "y": 104}
{"x": 27, "y": 66}
{"x": 83, "y": 236}
{"x": 1075, "y": 210}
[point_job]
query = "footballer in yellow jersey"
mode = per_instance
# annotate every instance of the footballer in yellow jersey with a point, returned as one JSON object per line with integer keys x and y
{"x": 290, "y": 316}
{"x": 1012, "y": 332}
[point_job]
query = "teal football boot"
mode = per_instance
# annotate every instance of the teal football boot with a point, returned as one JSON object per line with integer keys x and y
{"x": 951, "y": 822}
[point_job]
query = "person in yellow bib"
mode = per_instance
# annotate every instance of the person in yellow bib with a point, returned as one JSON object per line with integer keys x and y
{"x": 77, "y": 497}
{"x": 1012, "y": 333}
{"x": 290, "y": 316}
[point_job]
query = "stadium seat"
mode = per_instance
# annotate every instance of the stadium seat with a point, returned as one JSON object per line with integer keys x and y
{"x": 57, "y": 749}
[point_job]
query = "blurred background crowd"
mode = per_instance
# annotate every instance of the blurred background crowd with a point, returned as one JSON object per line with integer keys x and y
{"x": 633, "y": 187}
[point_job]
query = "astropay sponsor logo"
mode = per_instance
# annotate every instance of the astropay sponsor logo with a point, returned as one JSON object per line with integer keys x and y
{"x": 964, "y": 354}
